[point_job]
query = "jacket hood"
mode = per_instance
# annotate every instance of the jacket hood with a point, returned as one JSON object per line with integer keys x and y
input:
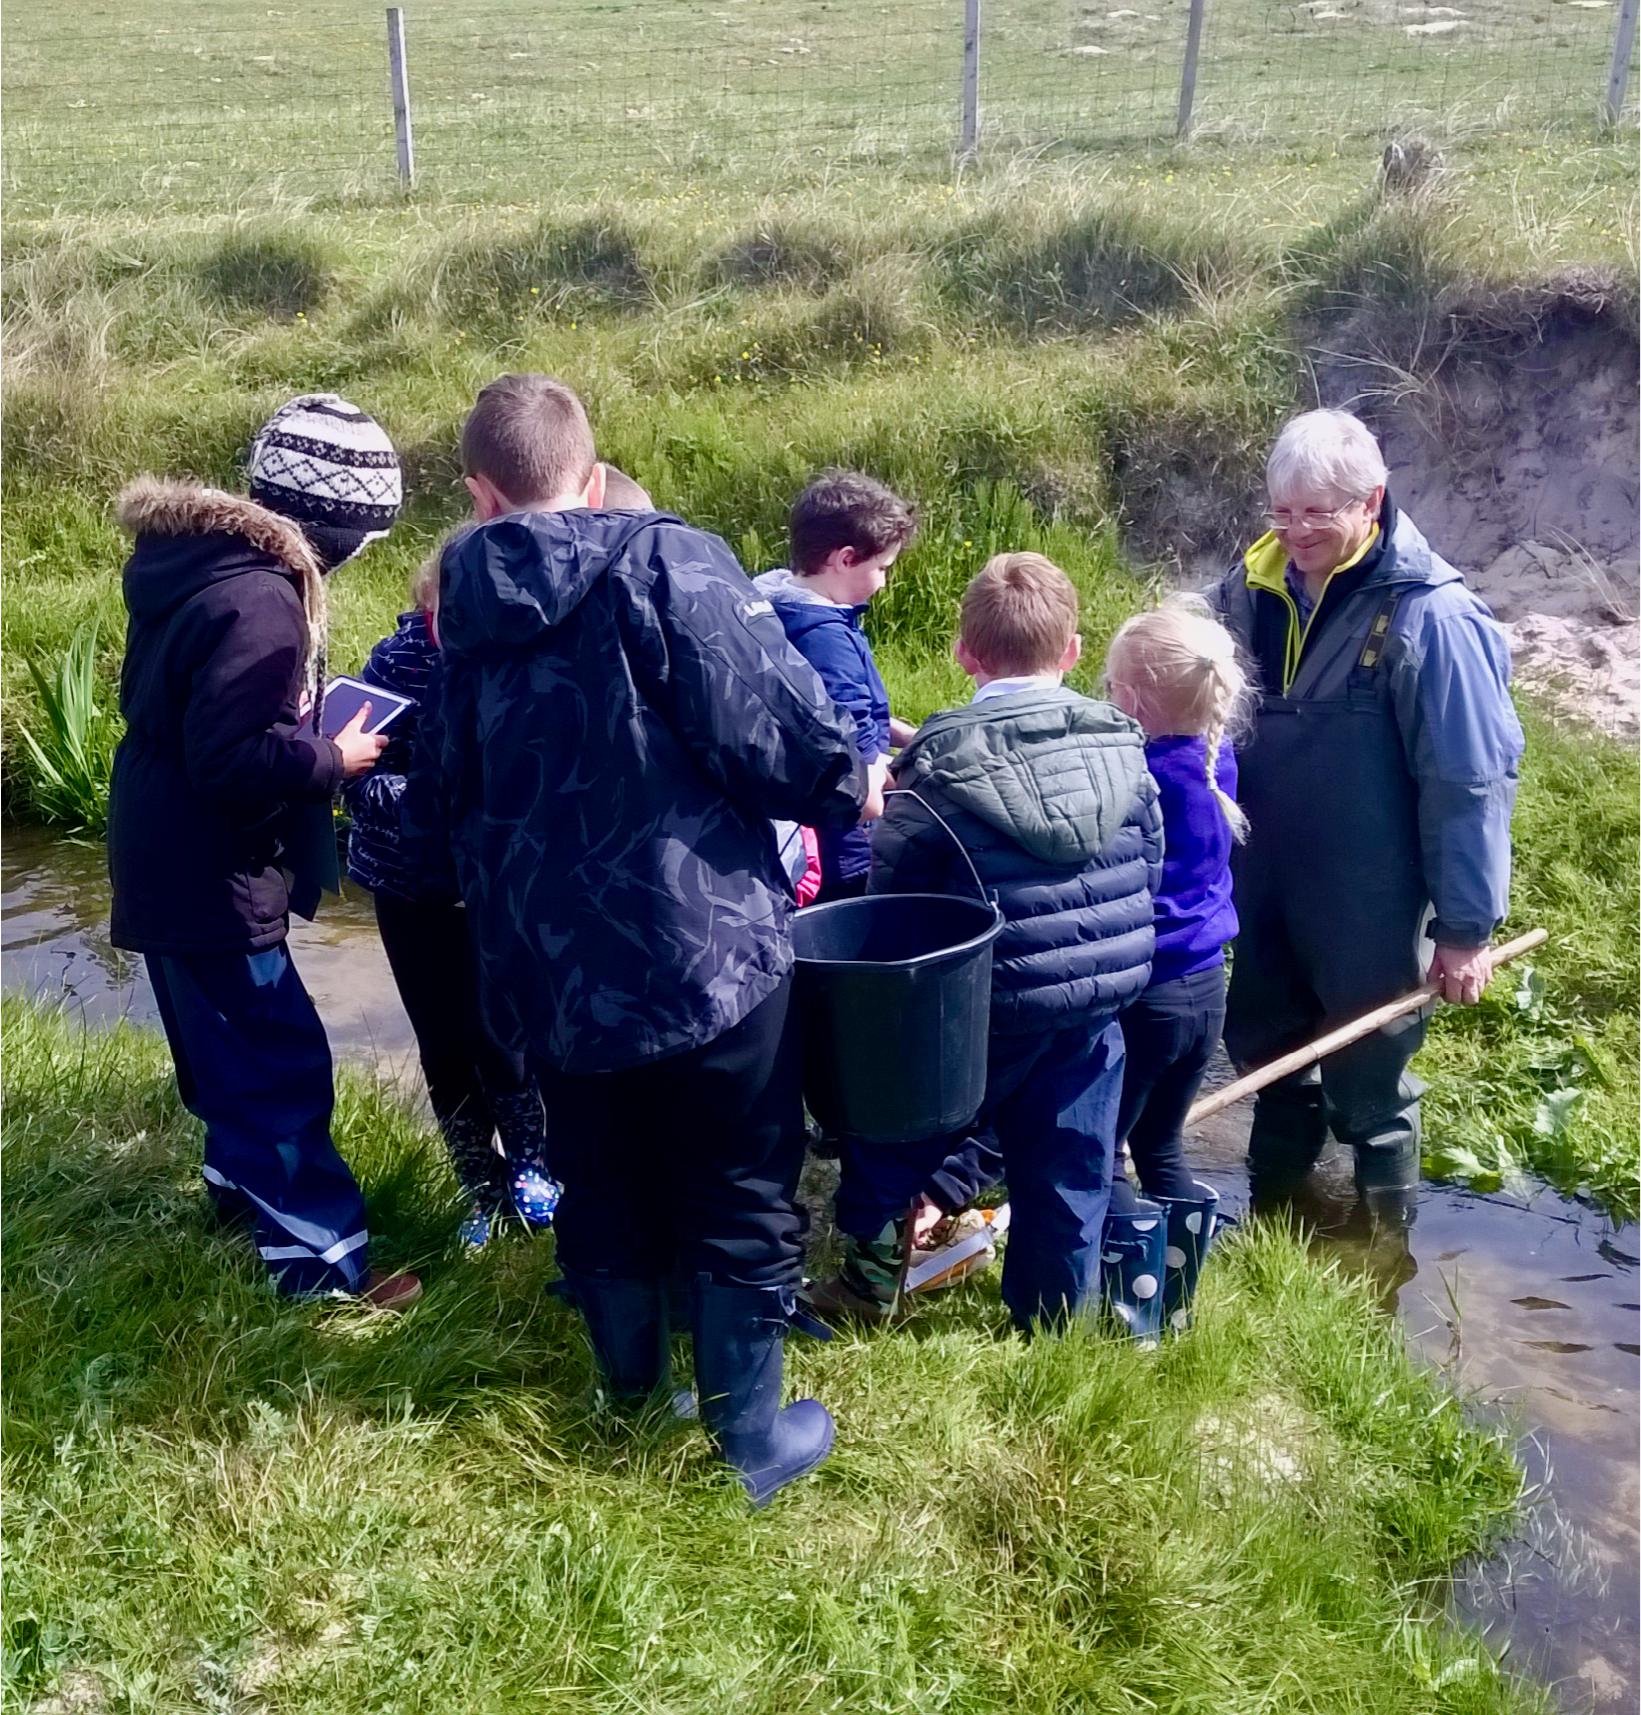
{"x": 802, "y": 608}
{"x": 1057, "y": 772}
{"x": 506, "y": 583}
{"x": 172, "y": 521}
{"x": 1406, "y": 556}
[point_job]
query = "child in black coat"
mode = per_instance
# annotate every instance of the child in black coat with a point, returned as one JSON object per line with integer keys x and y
{"x": 221, "y": 789}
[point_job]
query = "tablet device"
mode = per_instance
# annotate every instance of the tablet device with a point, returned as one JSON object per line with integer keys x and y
{"x": 344, "y": 697}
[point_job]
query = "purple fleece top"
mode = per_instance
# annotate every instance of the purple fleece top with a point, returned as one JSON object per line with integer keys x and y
{"x": 1194, "y": 913}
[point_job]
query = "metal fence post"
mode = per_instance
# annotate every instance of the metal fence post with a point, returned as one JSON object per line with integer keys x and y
{"x": 1188, "y": 72}
{"x": 968, "y": 138}
{"x": 1618, "y": 76}
{"x": 399, "y": 77}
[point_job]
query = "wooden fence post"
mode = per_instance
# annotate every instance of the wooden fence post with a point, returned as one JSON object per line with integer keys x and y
{"x": 1618, "y": 74}
{"x": 399, "y": 77}
{"x": 968, "y": 135}
{"x": 1188, "y": 72}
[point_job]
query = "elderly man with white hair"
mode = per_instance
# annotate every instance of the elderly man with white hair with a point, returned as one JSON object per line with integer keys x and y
{"x": 1378, "y": 783}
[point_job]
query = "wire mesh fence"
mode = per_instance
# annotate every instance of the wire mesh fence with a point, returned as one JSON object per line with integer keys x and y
{"x": 198, "y": 102}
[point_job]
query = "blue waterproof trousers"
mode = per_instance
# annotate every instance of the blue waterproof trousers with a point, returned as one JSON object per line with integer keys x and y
{"x": 253, "y": 1065}
{"x": 1050, "y": 1110}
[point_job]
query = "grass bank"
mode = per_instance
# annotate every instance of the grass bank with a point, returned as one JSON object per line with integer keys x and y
{"x": 1088, "y": 360}
{"x": 217, "y": 1500}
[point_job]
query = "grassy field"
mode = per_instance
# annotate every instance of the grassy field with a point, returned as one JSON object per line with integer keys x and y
{"x": 508, "y": 99}
{"x": 219, "y": 1501}
{"x": 1088, "y": 364}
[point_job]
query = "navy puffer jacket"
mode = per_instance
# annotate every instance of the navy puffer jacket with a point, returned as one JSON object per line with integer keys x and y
{"x": 1048, "y": 793}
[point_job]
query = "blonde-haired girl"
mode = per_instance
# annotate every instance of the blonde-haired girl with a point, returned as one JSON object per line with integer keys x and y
{"x": 1175, "y": 670}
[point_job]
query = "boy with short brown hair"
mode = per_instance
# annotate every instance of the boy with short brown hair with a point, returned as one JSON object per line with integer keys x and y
{"x": 1047, "y": 793}
{"x": 621, "y": 720}
{"x": 846, "y": 531}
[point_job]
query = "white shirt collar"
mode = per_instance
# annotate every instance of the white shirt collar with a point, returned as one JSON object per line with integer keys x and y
{"x": 1024, "y": 682}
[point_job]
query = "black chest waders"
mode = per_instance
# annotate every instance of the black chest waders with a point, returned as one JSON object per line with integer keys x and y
{"x": 1332, "y": 902}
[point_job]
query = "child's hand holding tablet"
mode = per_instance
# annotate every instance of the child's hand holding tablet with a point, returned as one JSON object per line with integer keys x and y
{"x": 354, "y": 717}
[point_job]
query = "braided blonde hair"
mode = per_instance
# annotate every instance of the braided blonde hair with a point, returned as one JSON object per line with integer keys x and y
{"x": 1175, "y": 670}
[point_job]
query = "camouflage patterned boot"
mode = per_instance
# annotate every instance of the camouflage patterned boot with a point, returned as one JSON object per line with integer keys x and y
{"x": 870, "y": 1279}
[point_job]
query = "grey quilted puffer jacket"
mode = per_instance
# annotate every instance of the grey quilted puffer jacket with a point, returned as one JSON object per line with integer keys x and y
{"x": 1048, "y": 793}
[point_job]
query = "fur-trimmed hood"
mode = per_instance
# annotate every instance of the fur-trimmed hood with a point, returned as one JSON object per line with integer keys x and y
{"x": 170, "y": 519}
{"x": 158, "y": 506}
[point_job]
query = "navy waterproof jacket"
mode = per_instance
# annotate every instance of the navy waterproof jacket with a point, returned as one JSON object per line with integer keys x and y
{"x": 832, "y": 640}
{"x": 378, "y": 858}
{"x": 1047, "y": 792}
{"x": 621, "y": 718}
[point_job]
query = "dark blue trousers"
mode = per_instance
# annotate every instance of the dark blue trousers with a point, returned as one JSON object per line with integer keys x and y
{"x": 1169, "y": 1035}
{"x": 253, "y": 1064}
{"x": 1050, "y": 1111}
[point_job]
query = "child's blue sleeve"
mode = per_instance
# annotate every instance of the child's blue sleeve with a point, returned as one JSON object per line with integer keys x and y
{"x": 834, "y": 653}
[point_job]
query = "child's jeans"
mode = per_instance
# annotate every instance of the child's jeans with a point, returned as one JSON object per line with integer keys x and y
{"x": 254, "y": 1065}
{"x": 473, "y": 1086}
{"x": 1170, "y": 1034}
{"x": 1050, "y": 1111}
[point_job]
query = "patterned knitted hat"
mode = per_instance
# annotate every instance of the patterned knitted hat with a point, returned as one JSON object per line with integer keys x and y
{"x": 330, "y": 467}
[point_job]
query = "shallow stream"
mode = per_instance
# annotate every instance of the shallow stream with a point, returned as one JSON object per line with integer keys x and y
{"x": 1529, "y": 1306}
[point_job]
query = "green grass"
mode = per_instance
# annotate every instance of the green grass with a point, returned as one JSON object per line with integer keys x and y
{"x": 217, "y": 1500}
{"x": 192, "y": 103}
{"x": 1087, "y": 363}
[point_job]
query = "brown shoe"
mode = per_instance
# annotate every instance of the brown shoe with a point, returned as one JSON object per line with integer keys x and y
{"x": 837, "y": 1302}
{"x": 384, "y": 1291}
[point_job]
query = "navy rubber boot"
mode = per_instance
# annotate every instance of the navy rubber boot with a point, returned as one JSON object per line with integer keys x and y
{"x": 1191, "y": 1222}
{"x": 628, "y": 1326}
{"x": 739, "y": 1332}
{"x": 1133, "y": 1249}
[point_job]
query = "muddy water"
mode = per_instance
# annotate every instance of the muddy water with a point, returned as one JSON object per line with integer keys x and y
{"x": 54, "y": 938}
{"x": 1531, "y": 1307}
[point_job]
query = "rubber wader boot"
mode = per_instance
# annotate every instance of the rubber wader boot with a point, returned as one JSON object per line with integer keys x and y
{"x": 739, "y": 1333}
{"x": 1286, "y": 1140}
{"x": 1190, "y": 1226}
{"x": 870, "y": 1278}
{"x": 627, "y": 1325}
{"x": 1389, "y": 1166}
{"x": 1133, "y": 1249}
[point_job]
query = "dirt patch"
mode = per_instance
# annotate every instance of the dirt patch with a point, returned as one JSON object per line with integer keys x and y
{"x": 1515, "y": 450}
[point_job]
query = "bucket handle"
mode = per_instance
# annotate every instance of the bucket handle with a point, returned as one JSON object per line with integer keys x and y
{"x": 963, "y": 850}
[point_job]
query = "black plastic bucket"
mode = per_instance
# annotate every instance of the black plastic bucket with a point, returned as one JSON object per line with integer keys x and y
{"x": 894, "y": 1001}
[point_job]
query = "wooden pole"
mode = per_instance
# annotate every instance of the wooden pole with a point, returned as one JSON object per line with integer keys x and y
{"x": 1188, "y": 72}
{"x": 968, "y": 130}
{"x": 1346, "y": 1034}
{"x": 1618, "y": 74}
{"x": 399, "y": 78}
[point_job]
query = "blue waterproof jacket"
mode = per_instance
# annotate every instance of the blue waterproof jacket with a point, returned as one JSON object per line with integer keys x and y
{"x": 831, "y": 639}
{"x": 1048, "y": 794}
{"x": 621, "y": 717}
{"x": 378, "y": 859}
{"x": 1381, "y": 774}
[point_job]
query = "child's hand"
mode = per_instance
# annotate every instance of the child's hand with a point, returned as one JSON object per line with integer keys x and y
{"x": 359, "y": 748}
{"x": 926, "y": 1216}
{"x": 901, "y": 733}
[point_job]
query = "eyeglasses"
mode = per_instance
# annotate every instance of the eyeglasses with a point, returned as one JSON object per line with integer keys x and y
{"x": 1283, "y": 518}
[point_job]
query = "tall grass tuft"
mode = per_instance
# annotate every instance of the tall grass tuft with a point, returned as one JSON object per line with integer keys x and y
{"x": 69, "y": 746}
